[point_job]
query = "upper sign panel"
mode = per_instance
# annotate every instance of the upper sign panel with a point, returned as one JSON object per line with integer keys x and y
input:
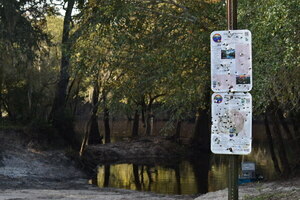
{"x": 231, "y": 61}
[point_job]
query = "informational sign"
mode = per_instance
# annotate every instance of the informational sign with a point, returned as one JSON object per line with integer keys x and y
{"x": 231, "y": 61}
{"x": 231, "y": 123}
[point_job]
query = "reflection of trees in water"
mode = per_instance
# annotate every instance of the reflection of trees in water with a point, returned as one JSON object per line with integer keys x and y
{"x": 201, "y": 167}
{"x": 178, "y": 177}
{"x": 145, "y": 176}
{"x": 135, "y": 169}
{"x": 140, "y": 182}
{"x": 106, "y": 175}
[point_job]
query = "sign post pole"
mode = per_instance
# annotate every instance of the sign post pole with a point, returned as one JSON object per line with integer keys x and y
{"x": 233, "y": 193}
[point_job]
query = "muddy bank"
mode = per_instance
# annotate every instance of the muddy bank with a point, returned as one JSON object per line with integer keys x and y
{"x": 139, "y": 151}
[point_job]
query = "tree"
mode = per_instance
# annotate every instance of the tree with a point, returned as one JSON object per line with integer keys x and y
{"x": 275, "y": 64}
{"x": 22, "y": 46}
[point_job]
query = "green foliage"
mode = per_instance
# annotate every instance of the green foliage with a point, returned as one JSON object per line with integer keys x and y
{"x": 142, "y": 53}
{"x": 154, "y": 52}
{"x": 26, "y": 73}
{"x": 275, "y": 28}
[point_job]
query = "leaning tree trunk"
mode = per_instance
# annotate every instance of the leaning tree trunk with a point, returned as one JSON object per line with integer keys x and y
{"x": 271, "y": 145}
{"x": 92, "y": 135}
{"x": 281, "y": 148}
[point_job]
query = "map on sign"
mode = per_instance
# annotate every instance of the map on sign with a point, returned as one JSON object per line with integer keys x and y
{"x": 231, "y": 61}
{"x": 231, "y": 123}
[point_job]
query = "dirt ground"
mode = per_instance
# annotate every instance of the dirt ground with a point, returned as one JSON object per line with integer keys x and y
{"x": 29, "y": 174}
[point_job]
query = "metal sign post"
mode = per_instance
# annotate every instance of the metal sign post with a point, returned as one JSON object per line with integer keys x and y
{"x": 233, "y": 190}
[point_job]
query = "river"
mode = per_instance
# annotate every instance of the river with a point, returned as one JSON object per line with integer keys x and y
{"x": 202, "y": 174}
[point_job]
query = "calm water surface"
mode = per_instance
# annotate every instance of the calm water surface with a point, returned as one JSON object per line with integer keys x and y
{"x": 203, "y": 174}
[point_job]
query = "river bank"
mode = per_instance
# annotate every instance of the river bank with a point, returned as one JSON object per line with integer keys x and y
{"x": 28, "y": 172}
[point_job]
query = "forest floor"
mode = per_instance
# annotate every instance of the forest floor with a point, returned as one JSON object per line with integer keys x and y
{"x": 29, "y": 173}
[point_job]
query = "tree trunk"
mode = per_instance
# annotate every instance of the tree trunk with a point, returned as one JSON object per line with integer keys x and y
{"x": 106, "y": 126}
{"x": 149, "y": 121}
{"x": 143, "y": 117}
{"x": 178, "y": 130}
{"x": 1, "y": 97}
{"x": 281, "y": 149}
{"x": 58, "y": 116}
{"x": 295, "y": 122}
{"x": 271, "y": 145}
{"x": 135, "y": 127}
{"x": 94, "y": 135}
{"x": 285, "y": 126}
{"x": 61, "y": 90}
{"x": 291, "y": 138}
{"x": 106, "y": 119}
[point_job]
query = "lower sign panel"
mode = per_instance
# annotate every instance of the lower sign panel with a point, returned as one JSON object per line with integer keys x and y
{"x": 231, "y": 131}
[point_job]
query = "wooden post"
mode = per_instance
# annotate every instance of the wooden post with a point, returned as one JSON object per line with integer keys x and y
{"x": 233, "y": 191}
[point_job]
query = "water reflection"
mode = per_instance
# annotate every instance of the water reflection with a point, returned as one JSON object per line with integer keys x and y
{"x": 106, "y": 176}
{"x": 204, "y": 173}
{"x": 184, "y": 178}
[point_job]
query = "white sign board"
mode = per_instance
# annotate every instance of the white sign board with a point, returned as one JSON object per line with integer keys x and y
{"x": 231, "y": 123}
{"x": 231, "y": 61}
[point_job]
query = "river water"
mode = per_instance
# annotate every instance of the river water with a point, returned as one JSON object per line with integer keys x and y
{"x": 202, "y": 174}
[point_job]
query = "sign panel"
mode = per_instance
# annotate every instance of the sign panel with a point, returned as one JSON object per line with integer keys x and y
{"x": 231, "y": 123}
{"x": 231, "y": 61}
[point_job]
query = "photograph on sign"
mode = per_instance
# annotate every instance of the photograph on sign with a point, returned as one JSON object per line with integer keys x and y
{"x": 231, "y": 61}
{"x": 231, "y": 131}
